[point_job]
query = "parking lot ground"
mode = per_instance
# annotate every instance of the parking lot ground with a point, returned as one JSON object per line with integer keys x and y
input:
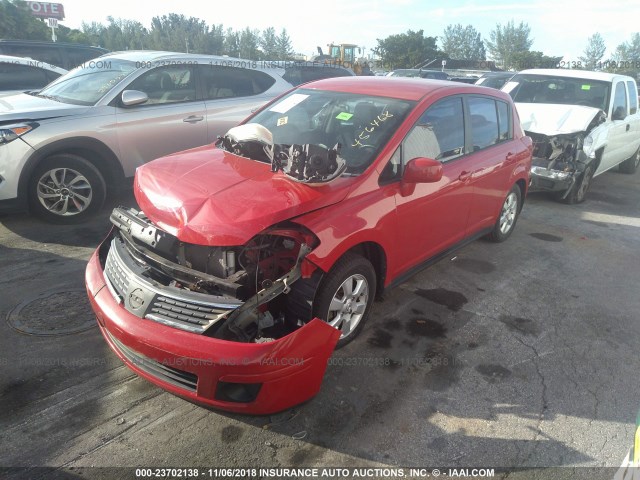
{"x": 522, "y": 354}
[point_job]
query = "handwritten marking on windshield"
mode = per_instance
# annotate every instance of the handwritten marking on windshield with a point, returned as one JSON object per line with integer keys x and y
{"x": 383, "y": 117}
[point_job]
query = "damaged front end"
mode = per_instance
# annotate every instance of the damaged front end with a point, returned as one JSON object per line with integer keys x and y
{"x": 208, "y": 323}
{"x": 565, "y": 141}
{"x": 557, "y": 161}
{"x": 231, "y": 293}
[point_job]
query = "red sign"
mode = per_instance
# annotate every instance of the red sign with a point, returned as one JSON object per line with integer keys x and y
{"x": 47, "y": 10}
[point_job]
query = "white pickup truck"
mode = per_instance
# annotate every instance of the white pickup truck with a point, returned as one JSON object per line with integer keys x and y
{"x": 582, "y": 124}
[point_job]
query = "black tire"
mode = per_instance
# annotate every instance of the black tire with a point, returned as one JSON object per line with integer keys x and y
{"x": 357, "y": 269}
{"x": 76, "y": 188}
{"x": 508, "y": 216}
{"x": 579, "y": 190}
{"x": 630, "y": 165}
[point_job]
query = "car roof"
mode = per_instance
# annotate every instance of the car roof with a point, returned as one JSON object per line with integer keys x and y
{"x": 584, "y": 74}
{"x": 32, "y": 63}
{"x": 154, "y": 55}
{"x": 403, "y": 88}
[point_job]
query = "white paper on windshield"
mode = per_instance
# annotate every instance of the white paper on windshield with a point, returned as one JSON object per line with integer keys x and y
{"x": 288, "y": 103}
{"x": 480, "y": 81}
{"x": 509, "y": 86}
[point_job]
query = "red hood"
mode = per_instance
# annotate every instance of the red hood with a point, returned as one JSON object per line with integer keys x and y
{"x": 208, "y": 196}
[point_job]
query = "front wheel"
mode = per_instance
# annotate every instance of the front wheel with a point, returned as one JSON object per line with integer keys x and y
{"x": 508, "y": 217}
{"x": 345, "y": 296}
{"x": 66, "y": 189}
{"x": 578, "y": 191}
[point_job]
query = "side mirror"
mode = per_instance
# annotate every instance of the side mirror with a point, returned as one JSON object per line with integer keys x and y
{"x": 619, "y": 114}
{"x": 133, "y": 97}
{"x": 422, "y": 170}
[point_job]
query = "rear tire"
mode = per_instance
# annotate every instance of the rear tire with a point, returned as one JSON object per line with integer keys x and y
{"x": 630, "y": 165}
{"x": 508, "y": 216}
{"x": 66, "y": 189}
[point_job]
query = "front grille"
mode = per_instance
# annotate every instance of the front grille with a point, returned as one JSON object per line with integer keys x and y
{"x": 117, "y": 276}
{"x": 141, "y": 296}
{"x": 178, "y": 378}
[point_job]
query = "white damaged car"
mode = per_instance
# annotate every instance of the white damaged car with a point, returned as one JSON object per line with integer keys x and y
{"x": 582, "y": 124}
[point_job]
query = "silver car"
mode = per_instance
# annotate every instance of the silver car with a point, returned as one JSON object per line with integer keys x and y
{"x": 62, "y": 149}
{"x": 19, "y": 74}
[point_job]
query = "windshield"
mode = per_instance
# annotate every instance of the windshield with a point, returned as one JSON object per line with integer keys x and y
{"x": 88, "y": 83}
{"x": 558, "y": 90}
{"x": 361, "y": 124}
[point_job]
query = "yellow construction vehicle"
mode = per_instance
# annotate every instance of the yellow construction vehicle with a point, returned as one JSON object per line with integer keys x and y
{"x": 344, "y": 54}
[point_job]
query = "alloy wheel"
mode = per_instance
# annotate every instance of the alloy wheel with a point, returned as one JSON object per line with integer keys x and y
{"x": 349, "y": 304}
{"x": 64, "y": 191}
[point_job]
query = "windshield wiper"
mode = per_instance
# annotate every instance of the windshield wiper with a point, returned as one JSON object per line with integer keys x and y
{"x": 55, "y": 98}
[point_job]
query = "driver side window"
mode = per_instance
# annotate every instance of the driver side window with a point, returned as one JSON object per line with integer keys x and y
{"x": 438, "y": 134}
{"x": 170, "y": 84}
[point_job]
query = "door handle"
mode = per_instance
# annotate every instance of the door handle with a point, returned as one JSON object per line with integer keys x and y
{"x": 193, "y": 119}
{"x": 628, "y": 126}
{"x": 464, "y": 176}
{"x": 510, "y": 156}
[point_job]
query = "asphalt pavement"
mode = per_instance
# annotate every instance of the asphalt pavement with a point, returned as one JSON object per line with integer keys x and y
{"x": 521, "y": 354}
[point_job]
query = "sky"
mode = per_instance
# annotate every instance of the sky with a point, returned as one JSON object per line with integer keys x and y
{"x": 558, "y": 27}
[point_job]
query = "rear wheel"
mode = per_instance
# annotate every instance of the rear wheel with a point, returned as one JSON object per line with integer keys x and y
{"x": 345, "y": 295}
{"x": 508, "y": 217}
{"x": 66, "y": 189}
{"x": 630, "y": 165}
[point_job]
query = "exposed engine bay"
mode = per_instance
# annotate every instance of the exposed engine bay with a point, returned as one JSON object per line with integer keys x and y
{"x": 308, "y": 163}
{"x": 559, "y": 159}
{"x": 559, "y": 152}
{"x": 232, "y": 293}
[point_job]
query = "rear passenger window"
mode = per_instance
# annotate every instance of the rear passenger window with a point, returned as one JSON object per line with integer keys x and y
{"x": 228, "y": 82}
{"x": 504, "y": 121}
{"x": 21, "y": 77}
{"x": 439, "y": 133}
{"x": 484, "y": 122}
{"x": 633, "y": 97}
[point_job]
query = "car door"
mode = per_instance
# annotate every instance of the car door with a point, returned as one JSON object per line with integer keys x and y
{"x": 618, "y": 136}
{"x": 492, "y": 159}
{"x": 433, "y": 216}
{"x": 231, "y": 94}
{"x": 171, "y": 120}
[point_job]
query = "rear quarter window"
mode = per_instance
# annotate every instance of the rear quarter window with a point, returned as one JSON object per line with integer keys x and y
{"x": 229, "y": 82}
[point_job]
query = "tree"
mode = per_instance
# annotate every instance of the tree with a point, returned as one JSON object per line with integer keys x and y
{"x": 178, "y": 33}
{"x": 232, "y": 43}
{"x": 406, "y": 50}
{"x": 249, "y": 43}
{"x": 269, "y": 43}
{"x": 626, "y": 58}
{"x": 17, "y": 22}
{"x": 533, "y": 59}
{"x": 283, "y": 46}
{"x": 594, "y": 52}
{"x": 509, "y": 40}
{"x": 463, "y": 43}
{"x": 216, "y": 40}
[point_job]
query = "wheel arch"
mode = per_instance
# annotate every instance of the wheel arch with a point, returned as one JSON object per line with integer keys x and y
{"x": 92, "y": 150}
{"x": 522, "y": 185}
{"x": 376, "y": 255}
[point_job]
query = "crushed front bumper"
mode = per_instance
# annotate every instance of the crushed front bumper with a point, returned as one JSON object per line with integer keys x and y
{"x": 551, "y": 180}
{"x": 255, "y": 378}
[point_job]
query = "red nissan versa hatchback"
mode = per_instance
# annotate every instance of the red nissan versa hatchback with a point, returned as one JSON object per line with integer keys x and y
{"x": 252, "y": 259}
